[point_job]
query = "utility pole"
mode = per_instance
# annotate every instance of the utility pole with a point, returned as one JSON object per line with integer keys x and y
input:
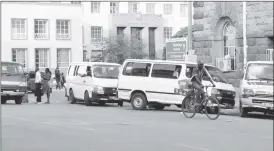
{"x": 244, "y": 33}
{"x": 1, "y": 136}
{"x": 189, "y": 26}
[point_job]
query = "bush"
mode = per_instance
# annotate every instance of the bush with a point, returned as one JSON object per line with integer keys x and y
{"x": 118, "y": 49}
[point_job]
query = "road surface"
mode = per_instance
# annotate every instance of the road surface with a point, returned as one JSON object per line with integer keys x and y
{"x": 61, "y": 126}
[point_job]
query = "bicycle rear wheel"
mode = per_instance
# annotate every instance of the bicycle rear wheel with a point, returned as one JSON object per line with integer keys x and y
{"x": 212, "y": 108}
{"x": 188, "y": 106}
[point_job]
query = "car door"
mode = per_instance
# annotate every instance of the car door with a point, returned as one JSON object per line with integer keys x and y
{"x": 79, "y": 82}
{"x": 163, "y": 81}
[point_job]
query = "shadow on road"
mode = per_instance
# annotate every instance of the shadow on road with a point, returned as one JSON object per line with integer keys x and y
{"x": 260, "y": 116}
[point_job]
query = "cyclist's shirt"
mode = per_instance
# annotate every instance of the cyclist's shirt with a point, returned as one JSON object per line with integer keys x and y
{"x": 200, "y": 74}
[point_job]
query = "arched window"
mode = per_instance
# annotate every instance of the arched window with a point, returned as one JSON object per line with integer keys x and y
{"x": 229, "y": 33}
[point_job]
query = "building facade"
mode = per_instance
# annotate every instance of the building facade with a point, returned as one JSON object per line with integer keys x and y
{"x": 44, "y": 35}
{"x": 152, "y": 22}
{"x": 218, "y": 32}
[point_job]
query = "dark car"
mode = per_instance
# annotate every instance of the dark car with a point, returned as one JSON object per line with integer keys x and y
{"x": 13, "y": 82}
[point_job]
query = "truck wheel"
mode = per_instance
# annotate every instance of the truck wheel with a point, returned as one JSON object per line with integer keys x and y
{"x": 72, "y": 100}
{"x": 138, "y": 101}
{"x": 18, "y": 100}
{"x": 87, "y": 99}
{"x": 120, "y": 104}
{"x": 243, "y": 111}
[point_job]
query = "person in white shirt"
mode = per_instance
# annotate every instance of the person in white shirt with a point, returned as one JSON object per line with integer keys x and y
{"x": 38, "y": 80}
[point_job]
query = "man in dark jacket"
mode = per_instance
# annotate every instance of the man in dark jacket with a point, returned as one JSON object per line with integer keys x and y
{"x": 58, "y": 78}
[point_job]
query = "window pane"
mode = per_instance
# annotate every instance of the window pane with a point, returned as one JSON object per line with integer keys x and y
{"x": 166, "y": 71}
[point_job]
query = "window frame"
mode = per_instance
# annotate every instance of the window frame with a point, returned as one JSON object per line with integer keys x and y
{"x": 77, "y": 74}
{"x": 25, "y": 65}
{"x": 60, "y": 34}
{"x": 166, "y": 9}
{"x": 69, "y": 53}
{"x": 95, "y": 9}
{"x": 16, "y": 29}
{"x": 131, "y": 8}
{"x": 114, "y": 7}
{"x": 167, "y": 33}
{"x": 48, "y": 57}
{"x": 69, "y": 70}
{"x": 150, "y": 8}
{"x": 46, "y": 28}
{"x": 161, "y": 64}
{"x": 93, "y": 36}
{"x": 183, "y": 10}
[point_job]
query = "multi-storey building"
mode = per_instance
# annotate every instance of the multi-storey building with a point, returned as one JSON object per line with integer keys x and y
{"x": 218, "y": 32}
{"x": 152, "y": 22}
{"x": 41, "y": 34}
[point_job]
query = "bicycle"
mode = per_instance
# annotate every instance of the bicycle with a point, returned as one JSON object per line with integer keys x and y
{"x": 208, "y": 105}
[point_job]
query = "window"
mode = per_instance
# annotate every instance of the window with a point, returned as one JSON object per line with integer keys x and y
{"x": 81, "y": 70}
{"x": 166, "y": 71}
{"x": 269, "y": 54}
{"x": 168, "y": 9}
{"x": 95, "y": 7}
{"x": 19, "y": 55}
{"x": 63, "y": 29}
{"x": 96, "y": 34}
{"x": 183, "y": 10}
{"x": 42, "y": 57}
{"x": 120, "y": 31}
{"x": 189, "y": 71}
{"x": 229, "y": 33}
{"x": 18, "y": 28}
{"x": 150, "y": 8}
{"x": 137, "y": 69}
{"x": 41, "y": 29}
{"x": 136, "y": 33}
{"x": 167, "y": 33}
{"x": 63, "y": 57}
{"x": 71, "y": 70}
{"x": 134, "y": 7}
{"x": 76, "y": 2}
{"x": 114, "y": 7}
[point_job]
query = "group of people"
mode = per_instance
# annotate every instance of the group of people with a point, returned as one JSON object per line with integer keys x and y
{"x": 43, "y": 85}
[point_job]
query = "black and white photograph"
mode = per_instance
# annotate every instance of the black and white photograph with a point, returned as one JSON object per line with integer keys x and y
{"x": 129, "y": 75}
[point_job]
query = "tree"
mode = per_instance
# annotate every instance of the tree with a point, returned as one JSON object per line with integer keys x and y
{"x": 118, "y": 49}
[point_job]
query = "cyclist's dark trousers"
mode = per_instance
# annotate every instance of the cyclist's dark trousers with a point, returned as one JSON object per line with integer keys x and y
{"x": 201, "y": 91}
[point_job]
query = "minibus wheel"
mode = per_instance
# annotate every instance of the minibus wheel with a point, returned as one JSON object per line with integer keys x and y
{"x": 86, "y": 99}
{"x": 138, "y": 101}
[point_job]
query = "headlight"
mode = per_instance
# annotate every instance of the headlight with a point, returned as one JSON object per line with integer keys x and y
{"x": 23, "y": 84}
{"x": 98, "y": 89}
{"x": 215, "y": 91}
{"x": 247, "y": 93}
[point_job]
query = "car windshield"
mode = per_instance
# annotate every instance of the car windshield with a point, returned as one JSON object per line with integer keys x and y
{"x": 12, "y": 69}
{"x": 106, "y": 71}
{"x": 259, "y": 71}
{"x": 216, "y": 74}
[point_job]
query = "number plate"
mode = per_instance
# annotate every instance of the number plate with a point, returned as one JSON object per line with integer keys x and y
{"x": 113, "y": 98}
{"x": 269, "y": 105}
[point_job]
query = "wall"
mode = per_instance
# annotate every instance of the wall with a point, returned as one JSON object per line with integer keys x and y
{"x": 210, "y": 17}
{"x": 31, "y": 11}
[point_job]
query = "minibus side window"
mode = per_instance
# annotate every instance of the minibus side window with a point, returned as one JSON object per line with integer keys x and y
{"x": 89, "y": 71}
{"x": 81, "y": 71}
{"x": 189, "y": 71}
{"x": 137, "y": 69}
{"x": 71, "y": 70}
{"x": 166, "y": 71}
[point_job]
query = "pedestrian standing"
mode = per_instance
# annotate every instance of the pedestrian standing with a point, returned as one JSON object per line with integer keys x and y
{"x": 38, "y": 80}
{"x": 46, "y": 89}
{"x": 63, "y": 80}
{"x": 58, "y": 78}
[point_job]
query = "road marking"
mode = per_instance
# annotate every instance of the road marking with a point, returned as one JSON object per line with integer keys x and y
{"x": 193, "y": 147}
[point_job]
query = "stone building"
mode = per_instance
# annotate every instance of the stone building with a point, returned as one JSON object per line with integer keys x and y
{"x": 218, "y": 31}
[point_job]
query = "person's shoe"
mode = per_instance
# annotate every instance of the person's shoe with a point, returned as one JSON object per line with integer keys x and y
{"x": 46, "y": 103}
{"x": 39, "y": 102}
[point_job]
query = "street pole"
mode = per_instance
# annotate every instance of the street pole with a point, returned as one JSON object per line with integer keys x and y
{"x": 244, "y": 33}
{"x": 189, "y": 26}
{"x": 1, "y": 136}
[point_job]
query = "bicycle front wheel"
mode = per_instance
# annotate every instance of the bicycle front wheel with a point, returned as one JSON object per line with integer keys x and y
{"x": 212, "y": 108}
{"x": 188, "y": 107}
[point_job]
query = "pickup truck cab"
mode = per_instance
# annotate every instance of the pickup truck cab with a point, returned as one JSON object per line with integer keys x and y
{"x": 257, "y": 88}
{"x": 13, "y": 82}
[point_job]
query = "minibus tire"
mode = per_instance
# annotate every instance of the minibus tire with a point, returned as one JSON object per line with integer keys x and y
{"x": 141, "y": 98}
{"x": 18, "y": 100}
{"x": 72, "y": 100}
{"x": 86, "y": 99}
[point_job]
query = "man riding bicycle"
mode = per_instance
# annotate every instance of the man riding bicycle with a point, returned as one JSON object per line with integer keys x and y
{"x": 198, "y": 74}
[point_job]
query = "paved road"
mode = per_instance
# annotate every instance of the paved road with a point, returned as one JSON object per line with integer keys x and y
{"x": 65, "y": 127}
